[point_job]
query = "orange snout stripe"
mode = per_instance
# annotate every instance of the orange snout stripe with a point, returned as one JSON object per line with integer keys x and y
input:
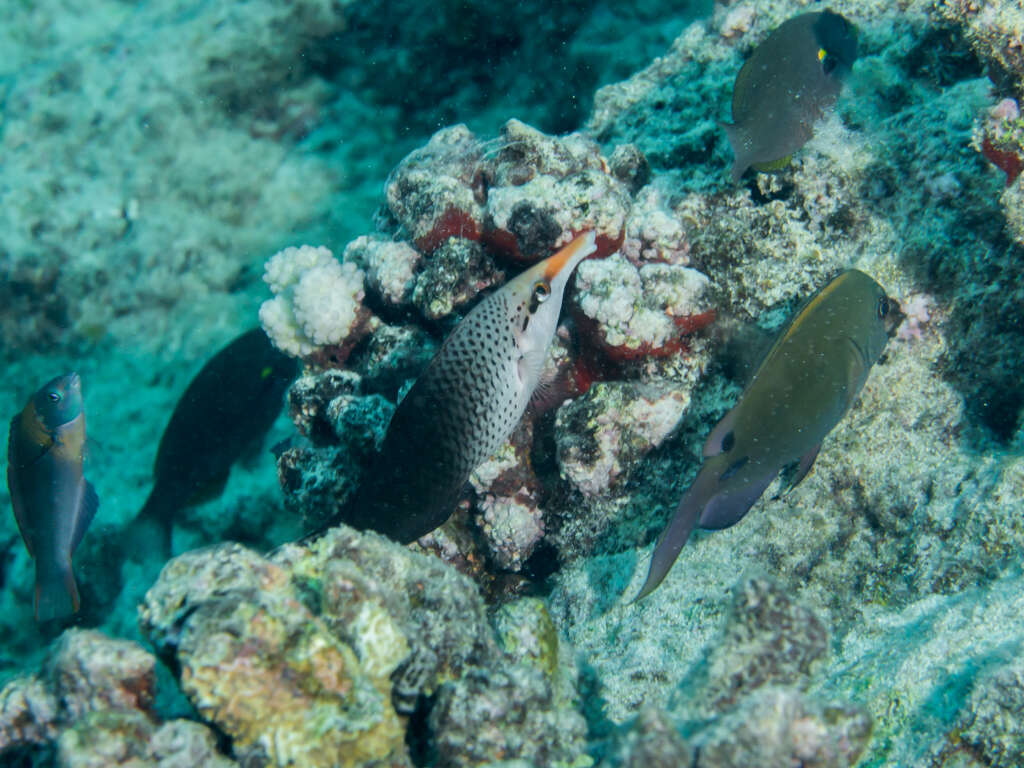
{"x": 556, "y": 263}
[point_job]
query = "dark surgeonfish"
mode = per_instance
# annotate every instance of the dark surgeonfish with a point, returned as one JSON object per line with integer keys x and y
{"x": 53, "y": 502}
{"x": 786, "y": 86}
{"x": 467, "y": 402}
{"x": 227, "y": 408}
{"x": 802, "y": 389}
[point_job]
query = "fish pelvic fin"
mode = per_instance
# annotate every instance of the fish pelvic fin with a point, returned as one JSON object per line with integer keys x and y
{"x": 738, "y": 141}
{"x": 56, "y": 592}
{"x": 675, "y": 536}
{"x": 728, "y": 507}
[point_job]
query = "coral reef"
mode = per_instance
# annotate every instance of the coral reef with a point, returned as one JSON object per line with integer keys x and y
{"x": 779, "y": 727}
{"x": 634, "y": 313}
{"x": 92, "y": 702}
{"x": 526, "y": 195}
{"x": 995, "y": 30}
{"x": 314, "y": 654}
{"x": 989, "y": 728}
{"x": 769, "y": 640}
{"x": 317, "y": 302}
{"x": 870, "y": 613}
{"x": 651, "y": 741}
{"x": 256, "y": 662}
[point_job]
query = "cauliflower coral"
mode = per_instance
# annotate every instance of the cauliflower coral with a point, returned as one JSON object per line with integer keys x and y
{"x": 317, "y": 300}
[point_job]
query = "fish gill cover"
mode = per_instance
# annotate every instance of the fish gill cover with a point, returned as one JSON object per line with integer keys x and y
{"x": 157, "y": 156}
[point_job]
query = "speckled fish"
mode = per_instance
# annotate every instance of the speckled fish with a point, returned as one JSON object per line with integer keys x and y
{"x": 786, "y": 86}
{"x": 53, "y": 502}
{"x": 802, "y": 389}
{"x": 225, "y": 410}
{"x": 467, "y": 402}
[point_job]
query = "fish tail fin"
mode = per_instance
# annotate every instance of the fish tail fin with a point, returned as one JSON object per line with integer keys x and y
{"x": 675, "y": 536}
{"x": 56, "y": 591}
{"x": 149, "y": 531}
{"x": 738, "y": 142}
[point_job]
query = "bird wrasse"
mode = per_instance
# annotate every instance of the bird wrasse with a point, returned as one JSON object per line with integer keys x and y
{"x": 224, "y": 412}
{"x": 53, "y": 502}
{"x": 467, "y": 402}
{"x": 786, "y": 86}
{"x": 803, "y": 387}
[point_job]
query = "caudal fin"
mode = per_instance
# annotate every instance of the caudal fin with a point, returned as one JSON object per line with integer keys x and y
{"x": 56, "y": 591}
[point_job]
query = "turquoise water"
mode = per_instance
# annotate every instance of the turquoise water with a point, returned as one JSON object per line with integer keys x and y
{"x": 156, "y": 156}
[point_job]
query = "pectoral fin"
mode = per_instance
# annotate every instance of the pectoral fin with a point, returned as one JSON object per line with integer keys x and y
{"x": 19, "y": 510}
{"x": 86, "y": 512}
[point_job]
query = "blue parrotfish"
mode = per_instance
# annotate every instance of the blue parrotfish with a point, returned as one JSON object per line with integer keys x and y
{"x": 801, "y": 390}
{"x": 786, "y": 86}
{"x": 53, "y": 502}
{"x": 467, "y": 402}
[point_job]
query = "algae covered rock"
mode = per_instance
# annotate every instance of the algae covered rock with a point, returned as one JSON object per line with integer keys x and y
{"x": 522, "y": 705}
{"x": 780, "y": 727}
{"x": 253, "y": 659}
{"x": 770, "y": 639}
{"x": 991, "y": 726}
{"x": 93, "y": 700}
{"x": 308, "y": 657}
{"x": 108, "y": 739}
{"x": 407, "y": 615}
{"x": 651, "y": 741}
{"x": 602, "y": 440}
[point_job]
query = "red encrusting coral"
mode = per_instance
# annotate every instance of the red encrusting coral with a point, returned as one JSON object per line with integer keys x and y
{"x": 622, "y": 353}
{"x": 451, "y": 223}
{"x": 506, "y": 244}
{"x": 1009, "y": 163}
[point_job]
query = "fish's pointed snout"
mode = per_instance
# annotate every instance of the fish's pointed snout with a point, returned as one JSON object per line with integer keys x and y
{"x": 578, "y": 249}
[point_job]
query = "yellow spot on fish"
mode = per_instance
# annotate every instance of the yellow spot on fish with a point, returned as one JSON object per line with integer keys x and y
{"x": 266, "y": 372}
{"x": 822, "y": 53}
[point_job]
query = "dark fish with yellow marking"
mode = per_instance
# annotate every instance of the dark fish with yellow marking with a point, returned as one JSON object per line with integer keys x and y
{"x": 53, "y": 502}
{"x": 225, "y": 411}
{"x": 801, "y": 390}
{"x": 467, "y": 402}
{"x": 786, "y": 86}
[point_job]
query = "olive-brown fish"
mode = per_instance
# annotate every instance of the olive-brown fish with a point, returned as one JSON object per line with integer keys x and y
{"x": 786, "y": 86}
{"x": 802, "y": 389}
{"x": 226, "y": 410}
{"x": 467, "y": 402}
{"x": 53, "y": 502}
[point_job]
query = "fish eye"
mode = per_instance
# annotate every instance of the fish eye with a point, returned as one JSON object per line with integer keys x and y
{"x": 541, "y": 290}
{"x": 883, "y": 307}
{"x": 54, "y": 397}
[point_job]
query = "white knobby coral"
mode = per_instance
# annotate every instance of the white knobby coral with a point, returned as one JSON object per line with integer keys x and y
{"x": 636, "y": 308}
{"x": 317, "y": 299}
